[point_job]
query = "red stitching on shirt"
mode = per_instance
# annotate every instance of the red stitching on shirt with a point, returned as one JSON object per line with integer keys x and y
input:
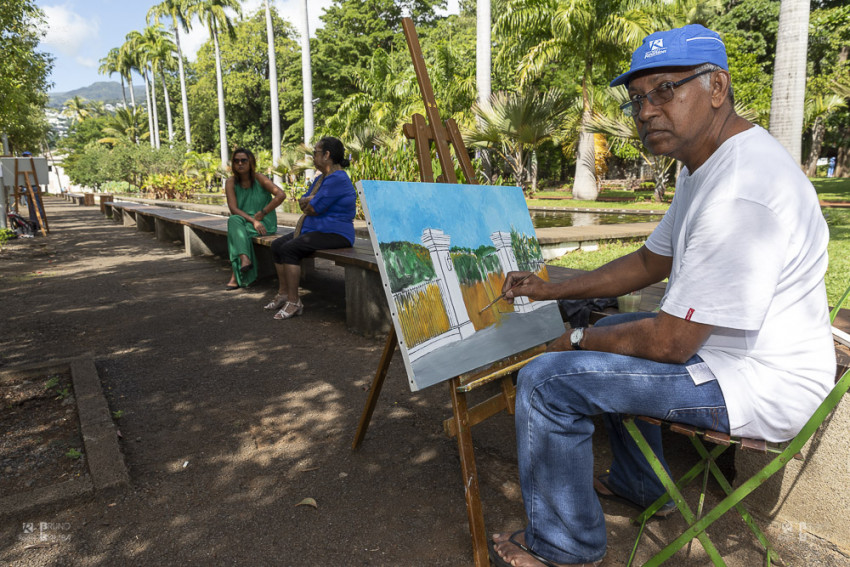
{"x": 688, "y": 316}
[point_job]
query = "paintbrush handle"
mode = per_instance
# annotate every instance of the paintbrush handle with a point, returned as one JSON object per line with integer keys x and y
{"x": 504, "y": 293}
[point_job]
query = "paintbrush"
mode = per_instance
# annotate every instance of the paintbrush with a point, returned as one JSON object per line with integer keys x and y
{"x": 502, "y": 296}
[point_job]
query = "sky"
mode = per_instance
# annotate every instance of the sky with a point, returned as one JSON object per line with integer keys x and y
{"x": 81, "y": 32}
{"x": 445, "y": 207}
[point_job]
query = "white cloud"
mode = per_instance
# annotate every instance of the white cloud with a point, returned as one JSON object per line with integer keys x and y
{"x": 68, "y": 31}
{"x": 87, "y": 62}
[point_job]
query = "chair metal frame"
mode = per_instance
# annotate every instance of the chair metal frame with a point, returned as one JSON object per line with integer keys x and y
{"x": 697, "y": 522}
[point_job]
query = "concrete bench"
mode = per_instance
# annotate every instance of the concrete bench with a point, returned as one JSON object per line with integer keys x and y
{"x": 76, "y": 198}
{"x": 203, "y": 234}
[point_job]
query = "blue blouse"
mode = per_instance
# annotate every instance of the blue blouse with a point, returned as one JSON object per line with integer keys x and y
{"x": 335, "y": 206}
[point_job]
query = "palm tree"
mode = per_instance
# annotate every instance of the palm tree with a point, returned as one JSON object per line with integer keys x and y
{"x": 124, "y": 127}
{"x": 77, "y": 109}
{"x": 135, "y": 44}
{"x": 387, "y": 96}
{"x": 176, "y": 10}
{"x": 789, "y": 76}
{"x": 584, "y": 33}
{"x": 212, "y": 14}
{"x": 817, "y": 110}
{"x": 161, "y": 52}
{"x": 482, "y": 50}
{"x": 126, "y": 65}
{"x": 514, "y": 125}
{"x": 275, "y": 106}
{"x": 307, "y": 76}
{"x": 111, "y": 64}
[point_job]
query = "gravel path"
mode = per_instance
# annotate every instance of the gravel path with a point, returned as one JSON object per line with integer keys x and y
{"x": 230, "y": 419}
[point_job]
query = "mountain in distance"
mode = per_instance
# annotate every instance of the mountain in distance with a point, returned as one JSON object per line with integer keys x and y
{"x": 106, "y": 91}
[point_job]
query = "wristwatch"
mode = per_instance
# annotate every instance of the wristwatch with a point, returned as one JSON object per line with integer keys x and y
{"x": 575, "y": 338}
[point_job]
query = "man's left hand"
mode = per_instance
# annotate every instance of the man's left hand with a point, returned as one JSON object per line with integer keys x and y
{"x": 560, "y": 344}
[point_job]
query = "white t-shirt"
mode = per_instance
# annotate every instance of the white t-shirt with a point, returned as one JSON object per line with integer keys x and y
{"x": 748, "y": 242}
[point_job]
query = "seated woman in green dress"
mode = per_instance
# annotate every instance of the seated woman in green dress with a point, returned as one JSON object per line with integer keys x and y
{"x": 252, "y": 199}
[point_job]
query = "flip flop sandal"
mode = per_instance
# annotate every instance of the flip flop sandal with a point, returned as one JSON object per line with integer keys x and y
{"x": 499, "y": 562}
{"x": 246, "y": 268}
{"x": 603, "y": 490}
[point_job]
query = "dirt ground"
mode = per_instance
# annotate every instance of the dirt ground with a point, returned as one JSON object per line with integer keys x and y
{"x": 230, "y": 419}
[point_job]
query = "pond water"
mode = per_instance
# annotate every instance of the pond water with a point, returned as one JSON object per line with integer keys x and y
{"x": 540, "y": 219}
{"x": 546, "y": 219}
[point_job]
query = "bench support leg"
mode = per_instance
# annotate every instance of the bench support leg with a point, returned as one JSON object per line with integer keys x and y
{"x": 366, "y": 309}
{"x": 128, "y": 218}
{"x": 167, "y": 231}
{"x": 144, "y": 223}
{"x": 195, "y": 244}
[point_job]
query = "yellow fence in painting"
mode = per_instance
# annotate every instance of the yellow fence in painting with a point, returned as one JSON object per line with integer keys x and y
{"x": 421, "y": 313}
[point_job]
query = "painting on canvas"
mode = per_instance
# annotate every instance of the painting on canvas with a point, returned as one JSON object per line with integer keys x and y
{"x": 443, "y": 252}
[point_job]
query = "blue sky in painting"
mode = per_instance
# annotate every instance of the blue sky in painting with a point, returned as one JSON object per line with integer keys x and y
{"x": 468, "y": 213}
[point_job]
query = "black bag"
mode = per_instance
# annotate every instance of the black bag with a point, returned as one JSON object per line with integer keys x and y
{"x": 20, "y": 225}
{"x": 577, "y": 311}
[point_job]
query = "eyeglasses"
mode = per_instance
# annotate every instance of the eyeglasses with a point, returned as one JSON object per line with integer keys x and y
{"x": 241, "y": 160}
{"x": 317, "y": 151}
{"x": 661, "y": 94}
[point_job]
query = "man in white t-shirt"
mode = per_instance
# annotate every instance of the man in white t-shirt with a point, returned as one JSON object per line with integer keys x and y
{"x": 741, "y": 343}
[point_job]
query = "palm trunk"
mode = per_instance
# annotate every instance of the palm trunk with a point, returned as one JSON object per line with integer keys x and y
{"x": 155, "y": 132}
{"x": 167, "y": 109}
{"x": 483, "y": 72}
{"x": 150, "y": 114}
{"x": 584, "y": 185}
{"x": 307, "y": 77}
{"x": 183, "y": 96}
{"x": 222, "y": 126}
{"x": 789, "y": 76}
{"x": 275, "y": 105}
{"x": 818, "y": 130}
{"x": 123, "y": 90}
{"x": 132, "y": 91}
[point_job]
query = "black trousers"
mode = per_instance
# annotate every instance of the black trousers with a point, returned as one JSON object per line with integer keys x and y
{"x": 290, "y": 250}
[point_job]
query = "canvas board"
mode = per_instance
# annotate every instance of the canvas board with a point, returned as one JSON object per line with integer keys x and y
{"x": 8, "y": 165}
{"x": 443, "y": 252}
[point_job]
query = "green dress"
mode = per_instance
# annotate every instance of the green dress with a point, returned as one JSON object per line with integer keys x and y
{"x": 240, "y": 231}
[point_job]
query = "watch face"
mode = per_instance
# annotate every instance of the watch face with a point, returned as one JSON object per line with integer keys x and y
{"x": 575, "y": 336}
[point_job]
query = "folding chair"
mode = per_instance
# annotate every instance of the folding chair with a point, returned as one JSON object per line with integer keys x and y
{"x": 696, "y": 521}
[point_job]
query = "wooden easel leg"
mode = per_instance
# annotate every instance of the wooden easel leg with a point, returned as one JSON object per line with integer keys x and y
{"x": 375, "y": 390}
{"x": 474, "y": 511}
{"x": 35, "y": 206}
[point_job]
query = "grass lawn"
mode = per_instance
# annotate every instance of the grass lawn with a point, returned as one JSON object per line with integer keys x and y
{"x": 837, "y": 275}
{"x": 832, "y": 190}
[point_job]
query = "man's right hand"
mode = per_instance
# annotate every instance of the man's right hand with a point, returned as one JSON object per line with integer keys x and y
{"x": 525, "y": 284}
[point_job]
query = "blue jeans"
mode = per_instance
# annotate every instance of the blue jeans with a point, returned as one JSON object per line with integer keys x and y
{"x": 556, "y": 395}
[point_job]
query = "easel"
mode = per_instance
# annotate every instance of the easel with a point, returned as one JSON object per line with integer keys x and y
{"x": 463, "y": 417}
{"x": 36, "y": 203}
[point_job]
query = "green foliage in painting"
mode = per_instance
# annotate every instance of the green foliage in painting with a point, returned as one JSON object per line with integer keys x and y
{"x": 527, "y": 251}
{"x": 472, "y": 266}
{"x": 407, "y": 264}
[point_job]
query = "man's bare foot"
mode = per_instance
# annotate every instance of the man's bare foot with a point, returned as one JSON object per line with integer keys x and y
{"x": 514, "y": 555}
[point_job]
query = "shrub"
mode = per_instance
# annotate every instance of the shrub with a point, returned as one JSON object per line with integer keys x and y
{"x": 171, "y": 185}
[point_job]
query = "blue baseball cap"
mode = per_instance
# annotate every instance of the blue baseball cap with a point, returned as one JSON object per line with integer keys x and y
{"x": 680, "y": 47}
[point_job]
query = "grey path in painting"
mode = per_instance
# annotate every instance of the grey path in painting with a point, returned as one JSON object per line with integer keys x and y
{"x": 521, "y": 330}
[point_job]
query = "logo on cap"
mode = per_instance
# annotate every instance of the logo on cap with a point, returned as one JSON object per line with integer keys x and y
{"x": 656, "y": 47}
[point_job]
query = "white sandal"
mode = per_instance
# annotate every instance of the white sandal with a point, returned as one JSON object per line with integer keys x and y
{"x": 284, "y": 314}
{"x": 276, "y": 303}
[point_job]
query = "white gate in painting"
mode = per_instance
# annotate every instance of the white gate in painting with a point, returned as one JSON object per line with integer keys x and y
{"x": 502, "y": 242}
{"x": 437, "y": 243}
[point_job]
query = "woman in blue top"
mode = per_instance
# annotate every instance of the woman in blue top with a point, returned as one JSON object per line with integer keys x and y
{"x": 327, "y": 222}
